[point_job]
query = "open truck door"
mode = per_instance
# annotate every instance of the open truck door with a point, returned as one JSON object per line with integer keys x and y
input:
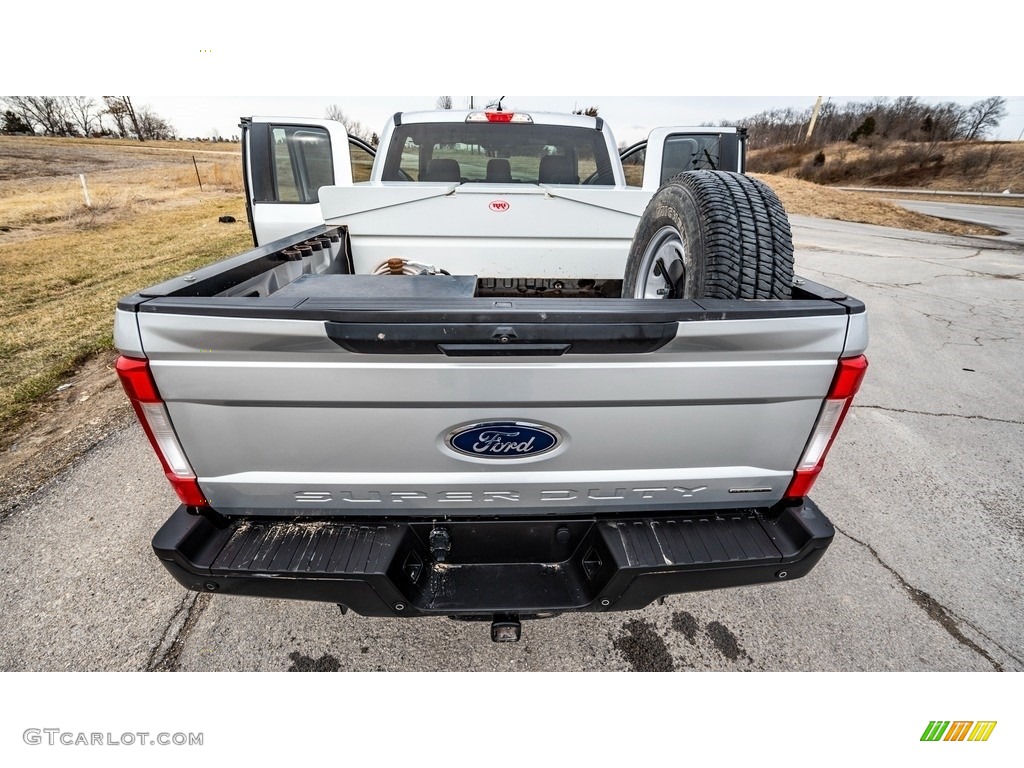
{"x": 670, "y": 151}
{"x": 286, "y": 161}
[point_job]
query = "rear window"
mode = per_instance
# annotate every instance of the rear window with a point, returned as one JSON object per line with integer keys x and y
{"x": 498, "y": 153}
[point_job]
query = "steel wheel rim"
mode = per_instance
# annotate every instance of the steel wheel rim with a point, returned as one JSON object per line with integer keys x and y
{"x": 666, "y": 246}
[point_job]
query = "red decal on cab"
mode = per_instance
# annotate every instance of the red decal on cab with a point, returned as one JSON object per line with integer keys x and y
{"x": 498, "y": 205}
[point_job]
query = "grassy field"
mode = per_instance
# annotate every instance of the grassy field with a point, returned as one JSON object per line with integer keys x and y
{"x": 63, "y": 265}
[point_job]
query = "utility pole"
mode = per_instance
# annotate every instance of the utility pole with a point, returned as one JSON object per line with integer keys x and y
{"x": 814, "y": 119}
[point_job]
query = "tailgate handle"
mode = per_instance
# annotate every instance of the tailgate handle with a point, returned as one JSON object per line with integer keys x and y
{"x": 503, "y": 349}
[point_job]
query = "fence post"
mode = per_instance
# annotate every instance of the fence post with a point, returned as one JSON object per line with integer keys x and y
{"x": 85, "y": 189}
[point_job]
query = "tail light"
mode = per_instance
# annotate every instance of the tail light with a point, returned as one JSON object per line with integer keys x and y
{"x": 141, "y": 390}
{"x": 847, "y": 381}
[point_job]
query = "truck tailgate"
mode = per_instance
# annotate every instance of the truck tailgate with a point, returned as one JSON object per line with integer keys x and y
{"x": 295, "y": 409}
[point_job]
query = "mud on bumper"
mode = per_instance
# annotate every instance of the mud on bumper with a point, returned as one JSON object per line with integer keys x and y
{"x": 491, "y": 567}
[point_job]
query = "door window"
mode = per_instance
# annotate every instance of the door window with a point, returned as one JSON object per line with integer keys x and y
{"x": 633, "y": 161}
{"x": 302, "y": 163}
{"x": 362, "y": 160}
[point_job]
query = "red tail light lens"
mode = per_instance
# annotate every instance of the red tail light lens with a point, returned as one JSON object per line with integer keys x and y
{"x": 845, "y": 384}
{"x": 848, "y": 378}
{"x": 490, "y": 116}
{"x": 141, "y": 390}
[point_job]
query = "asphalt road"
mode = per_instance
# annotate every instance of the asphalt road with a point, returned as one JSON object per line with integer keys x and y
{"x": 1005, "y": 218}
{"x": 925, "y": 486}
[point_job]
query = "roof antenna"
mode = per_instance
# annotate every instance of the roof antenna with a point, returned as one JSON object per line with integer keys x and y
{"x": 496, "y": 103}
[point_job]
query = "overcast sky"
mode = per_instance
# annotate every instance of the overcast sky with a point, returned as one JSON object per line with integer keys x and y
{"x": 631, "y": 117}
{"x": 202, "y": 65}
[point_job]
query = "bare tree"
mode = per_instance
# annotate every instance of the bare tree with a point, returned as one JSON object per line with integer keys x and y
{"x": 140, "y": 123}
{"x": 41, "y": 112}
{"x": 983, "y": 116}
{"x": 352, "y": 127}
{"x": 83, "y": 113}
{"x": 122, "y": 112}
{"x": 336, "y": 113}
{"x": 151, "y": 125}
{"x": 118, "y": 112}
{"x": 776, "y": 127}
{"x": 946, "y": 119}
{"x": 444, "y": 102}
{"x": 906, "y": 118}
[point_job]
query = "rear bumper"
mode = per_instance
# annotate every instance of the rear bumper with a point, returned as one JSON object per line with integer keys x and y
{"x": 493, "y": 567}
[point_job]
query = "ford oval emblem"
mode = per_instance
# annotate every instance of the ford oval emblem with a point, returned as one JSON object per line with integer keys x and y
{"x": 499, "y": 206}
{"x": 503, "y": 440}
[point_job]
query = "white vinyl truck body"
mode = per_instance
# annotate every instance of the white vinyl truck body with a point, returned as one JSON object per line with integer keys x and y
{"x": 506, "y": 376}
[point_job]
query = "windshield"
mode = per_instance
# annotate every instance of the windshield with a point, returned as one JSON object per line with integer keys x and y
{"x": 499, "y": 153}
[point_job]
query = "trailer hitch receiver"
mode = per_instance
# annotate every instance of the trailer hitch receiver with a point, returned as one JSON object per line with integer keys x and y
{"x": 506, "y": 629}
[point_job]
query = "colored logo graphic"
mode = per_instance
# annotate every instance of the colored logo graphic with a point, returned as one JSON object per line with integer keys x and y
{"x": 958, "y": 730}
{"x": 503, "y": 439}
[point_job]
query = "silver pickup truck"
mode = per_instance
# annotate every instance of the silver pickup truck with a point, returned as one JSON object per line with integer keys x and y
{"x": 508, "y": 375}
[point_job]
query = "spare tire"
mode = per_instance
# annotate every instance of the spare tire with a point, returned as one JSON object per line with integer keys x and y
{"x": 711, "y": 234}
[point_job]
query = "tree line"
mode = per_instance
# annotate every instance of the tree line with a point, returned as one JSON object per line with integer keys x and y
{"x": 113, "y": 116}
{"x": 907, "y": 118}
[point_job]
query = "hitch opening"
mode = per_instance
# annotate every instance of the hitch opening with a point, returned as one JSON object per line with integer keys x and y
{"x": 506, "y": 629}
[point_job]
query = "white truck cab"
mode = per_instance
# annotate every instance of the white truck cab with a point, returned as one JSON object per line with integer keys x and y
{"x": 287, "y": 159}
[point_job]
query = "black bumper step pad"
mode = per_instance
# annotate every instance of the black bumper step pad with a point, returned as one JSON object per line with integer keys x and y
{"x": 492, "y": 566}
{"x": 302, "y": 548}
{"x": 701, "y": 541}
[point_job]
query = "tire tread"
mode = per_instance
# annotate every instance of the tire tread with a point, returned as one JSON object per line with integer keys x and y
{"x": 747, "y": 239}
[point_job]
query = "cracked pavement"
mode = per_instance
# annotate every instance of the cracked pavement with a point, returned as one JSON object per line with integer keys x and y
{"x": 925, "y": 485}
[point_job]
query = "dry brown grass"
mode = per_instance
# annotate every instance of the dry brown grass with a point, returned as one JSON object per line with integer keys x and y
{"x": 978, "y": 166}
{"x": 807, "y": 199}
{"x": 41, "y": 192}
{"x": 58, "y": 292}
{"x": 63, "y": 266}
